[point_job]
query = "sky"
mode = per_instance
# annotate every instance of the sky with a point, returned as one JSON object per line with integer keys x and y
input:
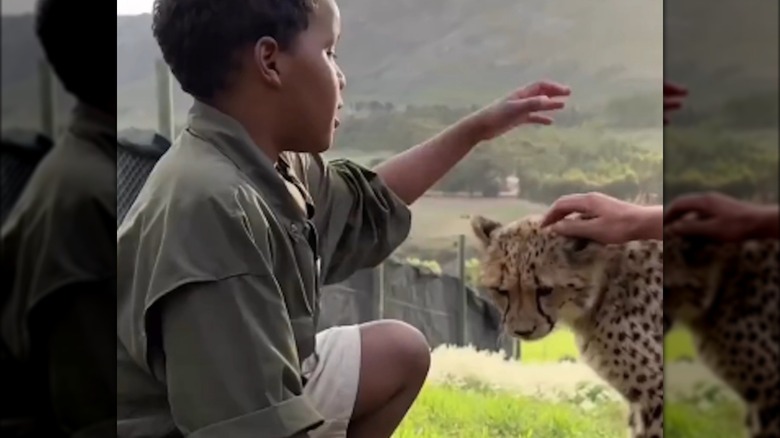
{"x": 133, "y": 7}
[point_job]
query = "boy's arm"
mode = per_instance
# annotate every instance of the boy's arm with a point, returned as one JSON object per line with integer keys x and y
{"x": 359, "y": 220}
{"x": 413, "y": 172}
{"x": 231, "y": 362}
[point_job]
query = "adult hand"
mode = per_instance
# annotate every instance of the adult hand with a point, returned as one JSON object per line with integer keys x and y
{"x": 523, "y": 106}
{"x": 673, "y": 95}
{"x": 604, "y": 219}
{"x": 720, "y": 217}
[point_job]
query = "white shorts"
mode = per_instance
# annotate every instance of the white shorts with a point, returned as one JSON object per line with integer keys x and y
{"x": 332, "y": 383}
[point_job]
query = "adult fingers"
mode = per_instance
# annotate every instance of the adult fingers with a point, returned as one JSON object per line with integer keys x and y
{"x": 566, "y": 205}
{"x": 591, "y": 229}
{"x": 680, "y": 207}
{"x": 697, "y": 228}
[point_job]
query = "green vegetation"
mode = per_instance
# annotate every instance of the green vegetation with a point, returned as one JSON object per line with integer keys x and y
{"x": 474, "y": 410}
{"x": 617, "y": 148}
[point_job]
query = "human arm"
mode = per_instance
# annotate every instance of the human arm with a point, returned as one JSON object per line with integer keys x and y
{"x": 604, "y": 219}
{"x": 231, "y": 363}
{"x": 722, "y": 218}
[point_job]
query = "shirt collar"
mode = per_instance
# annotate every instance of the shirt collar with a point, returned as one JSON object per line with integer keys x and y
{"x": 232, "y": 140}
{"x": 91, "y": 123}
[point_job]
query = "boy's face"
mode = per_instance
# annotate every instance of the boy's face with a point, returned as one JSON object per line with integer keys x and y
{"x": 312, "y": 82}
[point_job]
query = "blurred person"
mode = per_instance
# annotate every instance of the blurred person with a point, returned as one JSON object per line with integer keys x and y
{"x": 58, "y": 250}
{"x": 222, "y": 256}
{"x": 722, "y": 218}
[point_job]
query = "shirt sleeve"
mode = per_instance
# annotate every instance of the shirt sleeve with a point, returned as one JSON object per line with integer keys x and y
{"x": 231, "y": 363}
{"x": 360, "y": 221}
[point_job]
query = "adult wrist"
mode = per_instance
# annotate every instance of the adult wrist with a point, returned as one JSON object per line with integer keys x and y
{"x": 767, "y": 226}
{"x": 647, "y": 223}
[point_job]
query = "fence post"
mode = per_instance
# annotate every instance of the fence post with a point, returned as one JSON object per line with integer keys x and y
{"x": 463, "y": 295}
{"x": 164, "y": 101}
{"x": 48, "y": 100}
{"x": 379, "y": 297}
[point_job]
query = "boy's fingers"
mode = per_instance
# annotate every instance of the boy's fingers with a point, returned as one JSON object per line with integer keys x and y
{"x": 540, "y": 119}
{"x": 535, "y": 104}
{"x": 671, "y": 89}
{"x": 672, "y": 105}
{"x": 546, "y": 88}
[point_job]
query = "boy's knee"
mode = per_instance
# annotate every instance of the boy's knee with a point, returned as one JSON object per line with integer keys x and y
{"x": 409, "y": 346}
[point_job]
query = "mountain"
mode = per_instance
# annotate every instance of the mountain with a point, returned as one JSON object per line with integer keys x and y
{"x": 456, "y": 52}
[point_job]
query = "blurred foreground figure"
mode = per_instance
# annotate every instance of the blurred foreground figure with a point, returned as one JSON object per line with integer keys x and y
{"x": 59, "y": 255}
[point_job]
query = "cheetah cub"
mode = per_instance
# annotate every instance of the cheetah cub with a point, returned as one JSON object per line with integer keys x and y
{"x": 727, "y": 295}
{"x": 609, "y": 295}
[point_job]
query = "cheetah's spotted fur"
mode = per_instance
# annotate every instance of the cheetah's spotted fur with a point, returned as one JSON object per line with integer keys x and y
{"x": 610, "y": 295}
{"x": 727, "y": 295}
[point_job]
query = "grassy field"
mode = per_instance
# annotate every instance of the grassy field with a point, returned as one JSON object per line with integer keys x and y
{"x": 560, "y": 345}
{"x": 473, "y": 394}
{"x": 436, "y": 218}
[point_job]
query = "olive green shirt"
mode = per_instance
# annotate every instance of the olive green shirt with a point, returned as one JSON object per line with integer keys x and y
{"x": 219, "y": 277}
{"x": 59, "y": 233}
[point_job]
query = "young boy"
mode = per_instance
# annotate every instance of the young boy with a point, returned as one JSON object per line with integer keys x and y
{"x": 222, "y": 256}
{"x": 57, "y": 298}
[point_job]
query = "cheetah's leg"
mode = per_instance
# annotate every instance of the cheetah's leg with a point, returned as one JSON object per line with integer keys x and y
{"x": 763, "y": 421}
{"x": 651, "y": 413}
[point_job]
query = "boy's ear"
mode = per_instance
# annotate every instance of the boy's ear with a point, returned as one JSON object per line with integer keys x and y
{"x": 483, "y": 228}
{"x": 266, "y": 60}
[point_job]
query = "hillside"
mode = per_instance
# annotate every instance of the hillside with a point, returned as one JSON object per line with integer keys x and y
{"x": 464, "y": 52}
{"x": 437, "y": 51}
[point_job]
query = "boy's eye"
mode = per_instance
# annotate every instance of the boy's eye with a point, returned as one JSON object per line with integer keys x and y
{"x": 332, "y": 54}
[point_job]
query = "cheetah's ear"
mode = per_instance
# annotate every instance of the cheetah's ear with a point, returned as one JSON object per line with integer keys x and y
{"x": 483, "y": 228}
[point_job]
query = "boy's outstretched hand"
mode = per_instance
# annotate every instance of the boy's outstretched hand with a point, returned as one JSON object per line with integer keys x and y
{"x": 720, "y": 217}
{"x": 673, "y": 96}
{"x": 523, "y": 106}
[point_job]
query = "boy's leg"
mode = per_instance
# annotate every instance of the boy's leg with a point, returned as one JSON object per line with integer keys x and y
{"x": 367, "y": 378}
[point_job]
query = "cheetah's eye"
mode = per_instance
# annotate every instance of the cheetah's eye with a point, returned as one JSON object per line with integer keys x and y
{"x": 544, "y": 291}
{"x": 580, "y": 244}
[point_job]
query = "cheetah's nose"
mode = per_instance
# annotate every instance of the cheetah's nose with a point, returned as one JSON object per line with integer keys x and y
{"x": 524, "y": 333}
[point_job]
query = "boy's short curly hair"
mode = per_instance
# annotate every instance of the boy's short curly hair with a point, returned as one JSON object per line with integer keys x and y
{"x": 199, "y": 39}
{"x": 68, "y": 41}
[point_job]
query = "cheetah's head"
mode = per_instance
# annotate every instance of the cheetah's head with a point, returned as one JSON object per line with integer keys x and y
{"x": 693, "y": 270}
{"x": 536, "y": 277}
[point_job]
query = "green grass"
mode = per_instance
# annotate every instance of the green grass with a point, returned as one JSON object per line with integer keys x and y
{"x": 473, "y": 411}
{"x": 445, "y": 411}
{"x": 560, "y": 345}
{"x": 556, "y": 346}
{"x": 476, "y": 394}
{"x": 678, "y": 345}
{"x": 686, "y": 420}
